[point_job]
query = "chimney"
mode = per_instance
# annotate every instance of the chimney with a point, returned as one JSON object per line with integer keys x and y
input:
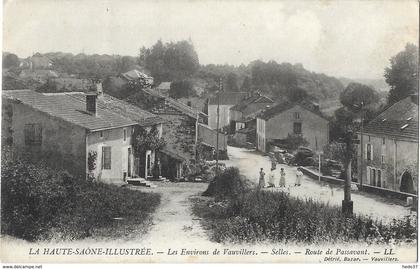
{"x": 91, "y": 102}
{"x": 98, "y": 87}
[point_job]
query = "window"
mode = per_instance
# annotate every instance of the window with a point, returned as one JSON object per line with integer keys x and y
{"x": 33, "y": 134}
{"x": 125, "y": 134}
{"x": 379, "y": 172}
{"x": 101, "y": 134}
{"x": 383, "y": 140}
{"x": 297, "y": 127}
{"x": 296, "y": 115}
{"x": 106, "y": 158}
{"x": 369, "y": 152}
{"x": 373, "y": 177}
{"x": 382, "y": 159}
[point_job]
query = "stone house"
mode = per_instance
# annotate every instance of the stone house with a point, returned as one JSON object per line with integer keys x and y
{"x": 247, "y": 110}
{"x": 281, "y": 120}
{"x": 85, "y": 134}
{"x": 226, "y": 101}
{"x": 390, "y": 148}
{"x": 184, "y": 128}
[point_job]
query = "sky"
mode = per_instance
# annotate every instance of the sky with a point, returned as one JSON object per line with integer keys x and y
{"x": 353, "y": 39}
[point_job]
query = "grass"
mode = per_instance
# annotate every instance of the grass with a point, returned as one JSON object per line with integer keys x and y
{"x": 41, "y": 204}
{"x": 254, "y": 215}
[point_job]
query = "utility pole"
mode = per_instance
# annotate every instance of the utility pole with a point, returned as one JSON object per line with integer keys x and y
{"x": 347, "y": 203}
{"x": 217, "y": 127}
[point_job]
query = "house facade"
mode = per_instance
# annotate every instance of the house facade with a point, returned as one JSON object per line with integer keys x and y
{"x": 276, "y": 123}
{"x": 390, "y": 148}
{"x": 226, "y": 100}
{"x": 247, "y": 110}
{"x": 72, "y": 131}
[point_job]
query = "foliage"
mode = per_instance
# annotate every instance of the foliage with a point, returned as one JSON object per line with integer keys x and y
{"x": 402, "y": 75}
{"x": 92, "y": 156}
{"x": 170, "y": 61}
{"x": 38, "y": 203}
{"x": 338, "y": 151}
{"x": 230, "y": 83}
{"x": 355, "y": 94}
{"x": 180, "y": 89}
{"x": 294, "y": 141}
{"x": 227, "y": 184}
{"x": 143, "y": 140}
{"x": 275, "y": 216}
{"x": 10, "y": 60}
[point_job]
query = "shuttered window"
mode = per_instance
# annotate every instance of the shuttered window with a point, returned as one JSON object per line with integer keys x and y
{"x": 106, "y": 158}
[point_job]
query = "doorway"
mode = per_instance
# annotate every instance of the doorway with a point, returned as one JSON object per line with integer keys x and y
{"x": 407, "y": 184}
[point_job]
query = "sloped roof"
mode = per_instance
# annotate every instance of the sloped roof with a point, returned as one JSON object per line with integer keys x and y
{"x": 251, "y": 100}
{"x": 71, "y": 107}
{"x": 229, "y": 98}
{"x": 164, "y": 86}
{"x": 281, "y": 107}
{"x": 123, "y": 108}
{"x": 134, "y": 74}
{"x": 399, "y": 120}
{"x": 187, "y": 110}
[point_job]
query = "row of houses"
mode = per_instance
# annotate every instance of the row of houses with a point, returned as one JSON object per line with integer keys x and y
{"x": 257, "y": 119}
{"x": 68, "y": 129}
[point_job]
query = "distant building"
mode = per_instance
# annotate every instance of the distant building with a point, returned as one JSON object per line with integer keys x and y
{"x": 226, "y": 101}
{"x": 390, "y": 148}
{"x": 163, "y": 88}
{"x": 40, "y": 75}
{"x": 247, "y": 110}
{"x": 66, "y": 130}
{"x": 135, "y": 74}
{"x": 276, "y": 123}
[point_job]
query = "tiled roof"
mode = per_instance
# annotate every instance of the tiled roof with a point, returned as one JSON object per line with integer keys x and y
{"x": 70, "y": 107}
{"x": 184, "y": 109}
{"x": 229, "y": 98}
{"x": 251, "y": 100}
{"x": 123, "y": 108}
{"x": 281, "y": 107}
{"x": 399, "y": 120}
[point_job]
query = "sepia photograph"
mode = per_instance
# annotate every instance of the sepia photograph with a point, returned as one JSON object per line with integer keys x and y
{"x": 209, "y": 131}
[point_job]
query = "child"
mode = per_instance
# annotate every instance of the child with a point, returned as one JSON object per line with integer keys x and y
{"x": 299, "y": 176}
{"x": 261, "y": 183}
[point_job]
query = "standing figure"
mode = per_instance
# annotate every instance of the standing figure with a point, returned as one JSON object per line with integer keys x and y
{"x": 299, "y": 176}
{"x": 282, "y": 178}
{"x": 271, "y": 178}
{"x": 261, "y": 183}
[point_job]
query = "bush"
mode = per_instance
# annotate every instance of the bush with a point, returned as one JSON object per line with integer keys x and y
{"x": 275, "y": 216}
{"x": 38, "y": 203}
{"x": 227, "y": 184}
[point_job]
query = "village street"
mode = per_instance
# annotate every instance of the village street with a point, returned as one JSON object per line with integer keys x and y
{"x": 249, "y": 163}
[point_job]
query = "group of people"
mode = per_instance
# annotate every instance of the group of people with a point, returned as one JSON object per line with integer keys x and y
{"x": 273, "y": 176}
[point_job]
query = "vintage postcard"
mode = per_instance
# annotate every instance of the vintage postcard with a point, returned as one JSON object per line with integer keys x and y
{"x": 209, "y": 132}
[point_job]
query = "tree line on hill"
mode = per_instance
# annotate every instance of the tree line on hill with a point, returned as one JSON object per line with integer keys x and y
{"x": 178, "y": 62}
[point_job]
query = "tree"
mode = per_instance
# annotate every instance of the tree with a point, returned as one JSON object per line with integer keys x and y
{"x": 231, "y": 83}
{"x": 10, "y": 60}
{"x": 170, "y": 61}
{"x": 355, "y": 94}
{"x": 402, "y": 75}
{"x": 246, "y": 84}
{"x": 180, "y": 89}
